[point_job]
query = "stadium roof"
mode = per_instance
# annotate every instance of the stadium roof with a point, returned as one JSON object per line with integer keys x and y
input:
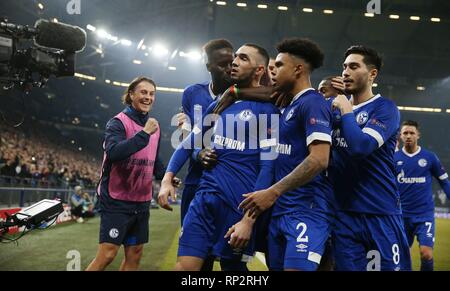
{"x": 416, "y": 49}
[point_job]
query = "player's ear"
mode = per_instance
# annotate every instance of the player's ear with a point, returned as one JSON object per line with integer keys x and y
{"x": 373, "y": 73}
{"x": 298, "y": 69}
{"x": 208, "y": 67}
{"x": 260, "y": 70}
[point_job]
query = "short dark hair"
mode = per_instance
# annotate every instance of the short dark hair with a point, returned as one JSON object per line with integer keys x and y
{"x": 303, "y": 48}
{"x": 216, "y": 44}
{"x": 262, "y": 51}
{"x": 371, "y": 56}
{"x": 328, "y": 79}
{"x": 410, "y": 123}
{"x": 126, "y": 99}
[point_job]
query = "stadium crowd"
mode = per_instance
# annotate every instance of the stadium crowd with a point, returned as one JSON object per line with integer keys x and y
{"x": 34, "y": 161}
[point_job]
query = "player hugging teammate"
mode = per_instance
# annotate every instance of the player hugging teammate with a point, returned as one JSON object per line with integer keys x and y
{"x": 314, "y": 184}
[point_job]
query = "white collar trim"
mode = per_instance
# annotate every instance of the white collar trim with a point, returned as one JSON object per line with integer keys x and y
{"x": 367, "y": 102}
{"x": 413, "y": 154}
{"x": 211, "y": 93}
{"x": 299, "y": 94}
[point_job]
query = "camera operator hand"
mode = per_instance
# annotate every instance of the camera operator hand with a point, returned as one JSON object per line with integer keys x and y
{"x": 151, "y": 126}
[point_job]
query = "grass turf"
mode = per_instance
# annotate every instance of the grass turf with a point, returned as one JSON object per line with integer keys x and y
{"x": 47, "y": 249}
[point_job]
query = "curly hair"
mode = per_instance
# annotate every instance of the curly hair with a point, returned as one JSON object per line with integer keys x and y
{"x": 303, "y": 48}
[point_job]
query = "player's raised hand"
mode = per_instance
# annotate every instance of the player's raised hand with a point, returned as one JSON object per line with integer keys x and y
{"x": 258, "y": 201}
{"x": 342, "y": 103}
{"x": 207, "y": 158}
{"x": 181, "y": 119}
{"x": 338, "y": 84}
{"x": 167, "y": 190}
{"x": 151, "y": 126}
{"x": 228, "y": 97}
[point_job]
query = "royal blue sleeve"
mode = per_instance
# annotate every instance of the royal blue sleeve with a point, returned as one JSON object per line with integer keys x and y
{"x": 267, "y": 149}
{"x": 441, "y": 175}
{"x": 195, "y": 153}
{"x": 179, "y": 157}
{"x": 315, "y": 117}
{"x": 193, "y": 143}
{"x": 184, "y": 151}
{"x": 359, "y": 143}
{"x": 117, "y": 146}
{"x": 382, "y": 124}
{"x": 205, "y": 126}
{"x": 186, "y": 103}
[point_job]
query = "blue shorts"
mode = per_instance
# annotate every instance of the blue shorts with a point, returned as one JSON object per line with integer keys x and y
{"x": 422, "y": 227}
{"x": 128, "y": 229}
{"x": 204, "y": 227}
{"x": 186, "y": 198}
{"x": 368, "y": 242}
{"x": 297, "y": 241}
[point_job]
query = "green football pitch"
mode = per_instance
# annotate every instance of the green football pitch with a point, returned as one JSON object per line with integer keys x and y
{"x": 50, "y": 249}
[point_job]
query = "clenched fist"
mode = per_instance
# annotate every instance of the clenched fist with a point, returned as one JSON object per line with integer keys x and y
{"x": 151, "y": 126}
{"x": 343, "y": 104}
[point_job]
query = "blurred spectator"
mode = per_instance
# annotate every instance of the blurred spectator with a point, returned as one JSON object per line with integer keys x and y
{"x": 88, "y": 205}
{"x": 81, "y": 205}
{"x": 8, "y": 169}
{"x": 35, "y": 161}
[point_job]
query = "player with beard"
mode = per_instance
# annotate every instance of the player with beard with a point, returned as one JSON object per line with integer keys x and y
{"x": 244, "y": 163}
{"x": 369, "y": 232}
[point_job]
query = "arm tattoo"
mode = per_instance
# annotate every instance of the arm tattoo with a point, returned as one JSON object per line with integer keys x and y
{"x": 302, "y": 174}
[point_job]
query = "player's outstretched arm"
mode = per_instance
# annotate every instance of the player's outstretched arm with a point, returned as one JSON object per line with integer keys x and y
{"x": 315, "y": 163}
{"x": 167, "y": 190}
{"x": 169, "y": 181}
{"x": 445, "y": 185}
{"x": 441, "y": 175}
{"x": 231, "y": 95}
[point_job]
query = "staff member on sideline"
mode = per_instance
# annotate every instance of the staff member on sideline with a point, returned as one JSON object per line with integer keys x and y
{"x": 125, "y": 188}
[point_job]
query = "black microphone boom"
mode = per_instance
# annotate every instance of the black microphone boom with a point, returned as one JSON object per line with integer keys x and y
{"x": 60, "y": 36}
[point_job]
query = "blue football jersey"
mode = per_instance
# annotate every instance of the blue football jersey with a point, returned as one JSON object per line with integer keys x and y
{"x": 305, "y": 120}
{"x": 195, "y": 101}
{"x": 414, "y": 180}
{"x": 368, "y": 184}
{"x": 242, "y": 141}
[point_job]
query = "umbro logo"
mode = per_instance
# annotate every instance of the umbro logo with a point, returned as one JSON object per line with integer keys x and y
{"x": 301, "y": 248}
